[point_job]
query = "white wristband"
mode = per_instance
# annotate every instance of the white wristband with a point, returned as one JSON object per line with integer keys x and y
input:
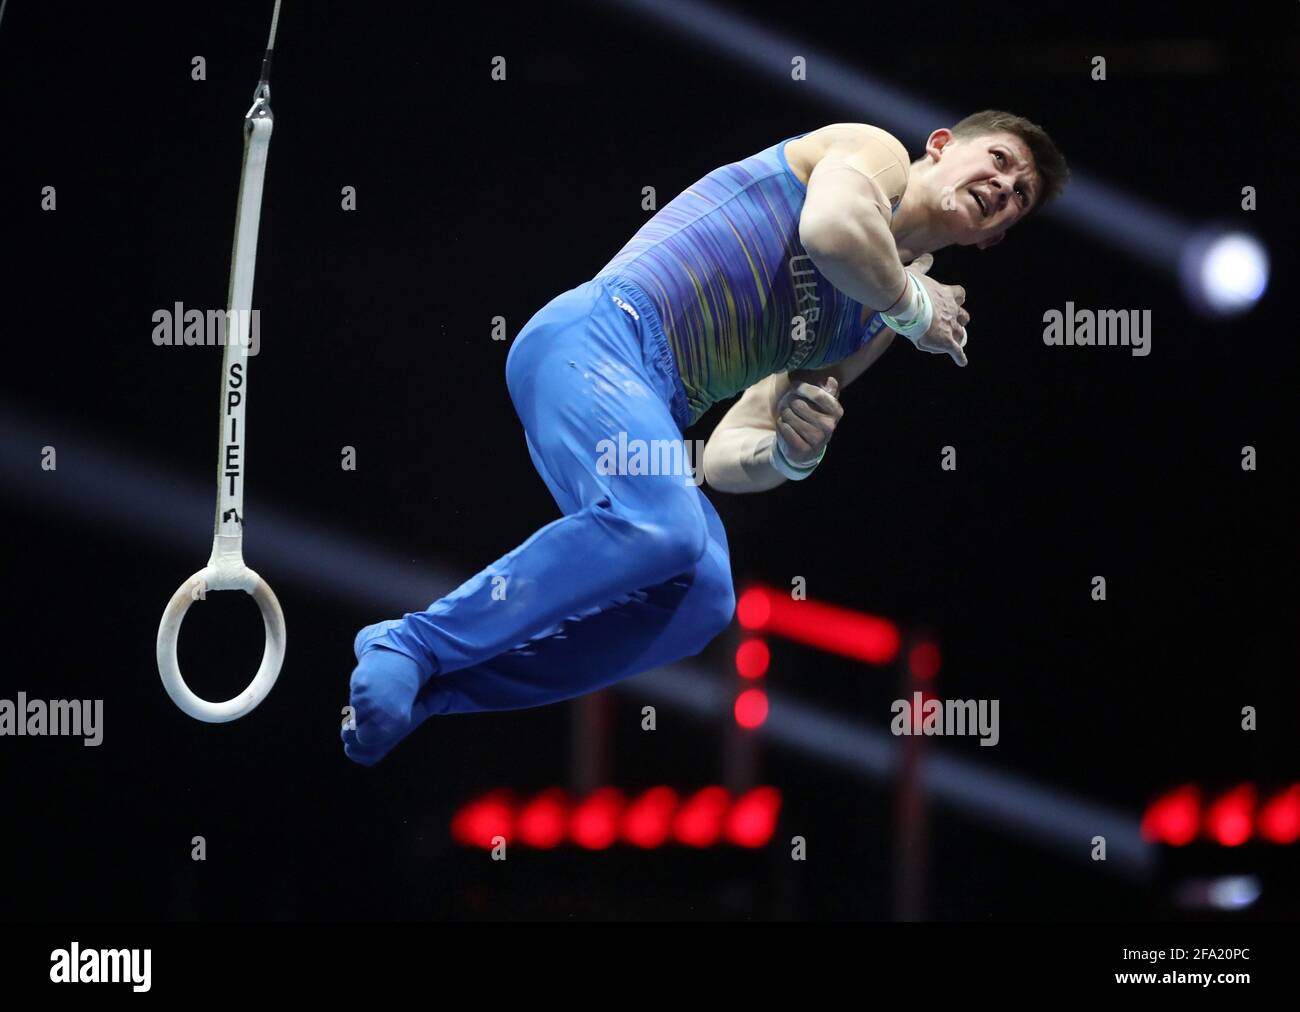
{"x": 795, "y": 472}
{"x": 914, "y": 319}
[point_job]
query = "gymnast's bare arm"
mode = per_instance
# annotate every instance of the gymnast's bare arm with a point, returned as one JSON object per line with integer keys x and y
{"x": 856, "y": 176}
{"x": 738, "y": 455}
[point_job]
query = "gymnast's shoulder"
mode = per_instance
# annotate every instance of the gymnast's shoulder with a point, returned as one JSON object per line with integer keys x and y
{"x": 870, "y": 149}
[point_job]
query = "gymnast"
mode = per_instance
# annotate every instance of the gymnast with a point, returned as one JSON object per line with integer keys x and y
{"x": 781, "y": 277}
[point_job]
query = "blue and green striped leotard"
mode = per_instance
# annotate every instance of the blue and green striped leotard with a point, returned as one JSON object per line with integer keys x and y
{"x": 723, "y": 266}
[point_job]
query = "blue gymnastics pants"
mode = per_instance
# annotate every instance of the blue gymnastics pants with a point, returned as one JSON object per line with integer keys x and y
{"x": 635, "y": 574}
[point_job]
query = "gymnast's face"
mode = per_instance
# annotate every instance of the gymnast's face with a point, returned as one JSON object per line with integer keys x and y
{"x": 983, "y": 185}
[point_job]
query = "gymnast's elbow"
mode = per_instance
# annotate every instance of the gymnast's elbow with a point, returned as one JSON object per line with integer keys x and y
{"x": 734, "y": 464}
{"x": 714, "y": 468}
{"x": 847, "y": 239}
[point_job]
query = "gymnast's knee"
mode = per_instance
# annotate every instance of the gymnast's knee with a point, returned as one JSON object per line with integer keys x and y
{"x": 666, "y": 543}
{"x": 712, "y": 604}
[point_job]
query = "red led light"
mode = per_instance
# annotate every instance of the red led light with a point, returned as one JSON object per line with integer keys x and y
{"x": 1279, "y": 818}
{"x": 751, "y": 708}
{"x": 698, "y": 822}
{"x": 542, "y": 821}
{"x": 754, "y": 608}
{"x": 752, "y": 819}
{"x": 1173, "y": 818}
{"x": 593, "y": 823}
{"x": 479, "y": 821}
{"x": 923, "y": 661}
{"x": 1230, "y": 820}
{"x": 752, "y": 659}
{"x": 648, "y": 820}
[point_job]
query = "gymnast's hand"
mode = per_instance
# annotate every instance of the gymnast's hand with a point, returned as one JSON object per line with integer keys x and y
{"x": 806, "y": 418}
{"x": 947, "y": 333}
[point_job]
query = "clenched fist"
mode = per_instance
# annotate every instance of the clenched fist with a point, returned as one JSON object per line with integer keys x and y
{"x": 805, "y": 420}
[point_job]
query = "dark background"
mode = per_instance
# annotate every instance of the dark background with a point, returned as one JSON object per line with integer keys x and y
{"x": 479, "y": 198}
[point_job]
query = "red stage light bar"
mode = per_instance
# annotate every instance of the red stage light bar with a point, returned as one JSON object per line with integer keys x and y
{"x": 658, "y": 817}
{"x": 1177, "y": 817}
{"x": 827, "y": 627}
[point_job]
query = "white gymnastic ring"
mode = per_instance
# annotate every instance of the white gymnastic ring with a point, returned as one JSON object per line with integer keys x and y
{"x": 211, "y": 578}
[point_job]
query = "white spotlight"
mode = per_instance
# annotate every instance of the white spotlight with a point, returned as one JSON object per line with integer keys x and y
{"x": 1224, "y": 273}
{"x": 1228, "y": 892}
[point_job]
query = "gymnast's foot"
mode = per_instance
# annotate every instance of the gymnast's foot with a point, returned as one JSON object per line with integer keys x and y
{"x": 384, "y": 687}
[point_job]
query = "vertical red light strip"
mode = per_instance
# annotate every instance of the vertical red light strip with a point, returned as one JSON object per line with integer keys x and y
{"x": 753, "y": 658}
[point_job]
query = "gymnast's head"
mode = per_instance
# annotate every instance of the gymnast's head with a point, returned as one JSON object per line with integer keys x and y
{"x": 980, "y": 177}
